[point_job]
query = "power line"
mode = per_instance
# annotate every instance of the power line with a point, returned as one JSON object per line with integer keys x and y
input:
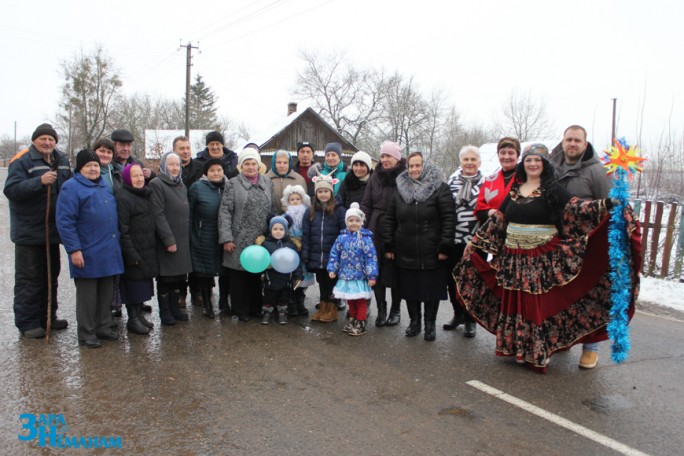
{"x": 244, "y": 35}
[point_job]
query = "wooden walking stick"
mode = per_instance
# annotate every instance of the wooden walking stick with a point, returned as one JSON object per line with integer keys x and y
{"x": 53, "y": 167}
{"x": 49, "y": 266}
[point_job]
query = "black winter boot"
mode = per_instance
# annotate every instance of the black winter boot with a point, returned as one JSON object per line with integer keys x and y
{"x": 470, "y": 327}
{"x": 430, "y": 317}
{"x": 395, "y": 314}
{"x": 458, "y": 319}
{"x": 142, "y": 318}
{"x": 178, "y": 314}
{"x": 381, "y": 319}
{"x": 134, "y": 324}
{"x": 207, "y": 307}
{"x": 299, "y": 296}
{"x": 414, "y": 314}
{"x": 282, "y": 315}
{"x": 266, "y": 317}
{"x": 165, "y": 314}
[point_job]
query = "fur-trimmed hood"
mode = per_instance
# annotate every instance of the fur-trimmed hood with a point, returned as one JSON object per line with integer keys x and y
{"x": 411, "y": 190}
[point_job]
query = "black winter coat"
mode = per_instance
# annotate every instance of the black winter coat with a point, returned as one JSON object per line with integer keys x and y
{"x": 229, "y": 161}
{"x": 205, "y": 250}
{"x": 382, "y": 186}
{"x": 137, "y": 227}
{"x": 273, "y": 279}
{"x": 192, "y": 172}
{"x": 419, "y": 223}
{"x": 28, "y": 197}
{"x": 352, "y": 189}
{"x": 318, "y": 236}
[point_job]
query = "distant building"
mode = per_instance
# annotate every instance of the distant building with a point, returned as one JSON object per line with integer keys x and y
{"x": 307, "y": 125}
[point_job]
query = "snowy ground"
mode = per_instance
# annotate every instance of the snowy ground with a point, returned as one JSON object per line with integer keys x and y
{"x": 662, "y": 293}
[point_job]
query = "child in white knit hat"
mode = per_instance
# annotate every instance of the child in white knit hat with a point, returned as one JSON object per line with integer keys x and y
{"x": 354, "y": 262}
{"x": 295, "y": 201}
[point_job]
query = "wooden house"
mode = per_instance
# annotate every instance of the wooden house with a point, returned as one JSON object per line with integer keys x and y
{"x": 306, "y": 125}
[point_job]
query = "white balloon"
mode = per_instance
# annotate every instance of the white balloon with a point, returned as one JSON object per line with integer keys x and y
{"x": 285, "y": 260}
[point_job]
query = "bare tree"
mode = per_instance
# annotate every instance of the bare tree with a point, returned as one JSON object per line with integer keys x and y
{"x": 91, "y": 84}
{"x": 235, "y": 133}
{"x": 406, "y": 114}
{"x": 8, "y": 148}
{"x": 525, "y": 117}
{"x": 350, "y": 98}
{"x": 140, "y": 112}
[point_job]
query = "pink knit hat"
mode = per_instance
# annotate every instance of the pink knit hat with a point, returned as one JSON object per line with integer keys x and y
{"x": 392, "y": 149}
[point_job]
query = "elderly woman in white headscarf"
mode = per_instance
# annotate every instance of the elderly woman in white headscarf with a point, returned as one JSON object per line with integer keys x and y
{"x": 243, "y": 215}
{"x": 465, "y": 186}
{"x": 172, "y": 219}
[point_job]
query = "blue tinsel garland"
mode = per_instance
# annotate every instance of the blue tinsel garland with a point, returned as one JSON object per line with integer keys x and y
{"x": 621, "y": 281}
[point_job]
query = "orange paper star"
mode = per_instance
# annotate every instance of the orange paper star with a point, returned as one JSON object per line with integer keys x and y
{"x": 625, "y": 157}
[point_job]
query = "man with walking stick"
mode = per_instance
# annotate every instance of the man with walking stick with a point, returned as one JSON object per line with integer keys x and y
{"x": 32, "y": 229}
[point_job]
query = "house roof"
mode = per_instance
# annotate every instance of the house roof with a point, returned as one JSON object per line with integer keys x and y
{"x": 263, "y": 138}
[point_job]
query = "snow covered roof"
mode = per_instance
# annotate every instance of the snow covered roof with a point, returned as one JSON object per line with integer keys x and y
{"x": 271, "y": 133}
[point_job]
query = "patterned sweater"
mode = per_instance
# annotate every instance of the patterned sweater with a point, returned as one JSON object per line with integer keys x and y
{"x": 353, "y": 256}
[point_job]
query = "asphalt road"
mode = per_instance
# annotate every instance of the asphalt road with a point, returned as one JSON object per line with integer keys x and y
{"x": 223, "y": 387}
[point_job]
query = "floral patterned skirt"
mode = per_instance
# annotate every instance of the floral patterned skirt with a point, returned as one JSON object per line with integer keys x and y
{"x": 546, "y": 298}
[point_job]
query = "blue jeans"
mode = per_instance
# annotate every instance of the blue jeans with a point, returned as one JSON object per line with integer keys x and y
{"x": 592, "y": 347}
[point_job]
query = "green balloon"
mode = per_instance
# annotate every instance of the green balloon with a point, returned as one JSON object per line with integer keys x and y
{"x": 255, "y": 259}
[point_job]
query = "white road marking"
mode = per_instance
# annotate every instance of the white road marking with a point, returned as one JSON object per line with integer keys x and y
{"x": 558, "y": 420}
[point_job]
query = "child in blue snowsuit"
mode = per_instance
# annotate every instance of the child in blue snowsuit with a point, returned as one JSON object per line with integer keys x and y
{"x": 278, "y": 285}
{"x": 354, "y": 262}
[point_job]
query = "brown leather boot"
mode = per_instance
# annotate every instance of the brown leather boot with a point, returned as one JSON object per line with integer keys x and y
{"x": 331, "y": 314}
{"x": 321, "y": 308}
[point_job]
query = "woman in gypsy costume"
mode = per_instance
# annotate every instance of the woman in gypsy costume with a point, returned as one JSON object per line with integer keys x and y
{"x": 547, "y": 286}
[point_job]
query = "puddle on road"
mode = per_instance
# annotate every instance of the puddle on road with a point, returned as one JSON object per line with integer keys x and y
{"x": 607, "y": 404}
{"x": 456, "y": 411}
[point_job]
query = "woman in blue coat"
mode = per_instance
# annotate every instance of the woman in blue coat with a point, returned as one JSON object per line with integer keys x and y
{"x": 88, "y": 225}
{"x": 205, "y": 251}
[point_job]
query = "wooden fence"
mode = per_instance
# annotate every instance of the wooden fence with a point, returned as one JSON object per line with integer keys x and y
{"x": 662, "y": 243}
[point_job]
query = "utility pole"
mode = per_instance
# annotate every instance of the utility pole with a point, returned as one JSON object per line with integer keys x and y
{"x": 612, "y": 137}
{"x": 189, "y": 47}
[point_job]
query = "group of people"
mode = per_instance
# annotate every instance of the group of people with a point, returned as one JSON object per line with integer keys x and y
{"x": 522, "y": 252}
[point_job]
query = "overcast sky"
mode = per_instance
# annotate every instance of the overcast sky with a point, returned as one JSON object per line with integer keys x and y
{"x": 576, "y": 55}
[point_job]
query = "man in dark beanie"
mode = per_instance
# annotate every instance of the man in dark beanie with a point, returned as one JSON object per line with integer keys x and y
{"x": 305, "y": 158}
{"x": 216, "y": 149}
{"x": 31, "y": 172}
{"x": 123, "y": 146}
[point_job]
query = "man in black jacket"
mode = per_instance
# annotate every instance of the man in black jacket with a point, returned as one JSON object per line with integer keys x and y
{"x": 305, "y": 159}
{"x": 216, "y": 149}
{"x": 31, "y": 173}
{"x": 192, "y": 169}
{"x": 123, "y": 145}
{"x": 192, "y": 172}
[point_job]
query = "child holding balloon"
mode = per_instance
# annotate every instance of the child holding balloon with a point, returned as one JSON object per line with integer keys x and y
{"x": 354, "y": 262}
{"x": 286, "y": 270}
